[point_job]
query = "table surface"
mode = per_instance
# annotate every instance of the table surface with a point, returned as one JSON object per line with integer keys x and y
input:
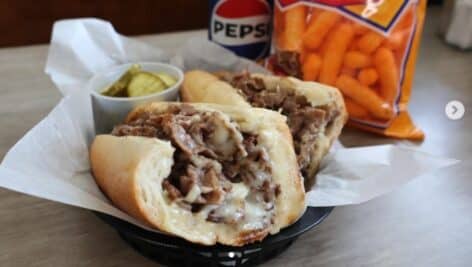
{"x": 427, "y": 222}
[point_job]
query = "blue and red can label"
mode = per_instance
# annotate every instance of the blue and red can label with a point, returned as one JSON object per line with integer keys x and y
{"x": 242, "y": 26}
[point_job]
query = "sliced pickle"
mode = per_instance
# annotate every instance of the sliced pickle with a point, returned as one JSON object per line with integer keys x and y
{"x": 168, "y": 79}
{"x": 145, "y": 83}
{"x": 118, "y": 88}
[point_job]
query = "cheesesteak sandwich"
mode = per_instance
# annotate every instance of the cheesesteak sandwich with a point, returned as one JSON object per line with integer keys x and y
{"x": 315, "y": 113}
{"x": 204, "y": 172}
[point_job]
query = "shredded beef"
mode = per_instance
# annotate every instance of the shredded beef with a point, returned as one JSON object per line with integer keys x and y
{"x": 191, "y": 132}
{"x": 218, "y": 215}
{"x": 253, "y": 89}
{"x": 303, "y": 119}
{"x": 210, "y": 155}
{"x": 289, "y": 62}
{"x": 134, "y": 130}
{"x": 173, "y": 192}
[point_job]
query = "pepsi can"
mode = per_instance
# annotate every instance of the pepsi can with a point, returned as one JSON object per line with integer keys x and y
{"x": 242, "y": 26}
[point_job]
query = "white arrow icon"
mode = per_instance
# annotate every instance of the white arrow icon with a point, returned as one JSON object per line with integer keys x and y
{"x": 454, "y": 110}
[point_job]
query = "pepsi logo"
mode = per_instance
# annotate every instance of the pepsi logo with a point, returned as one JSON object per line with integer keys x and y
{"x": 240, "y": 22}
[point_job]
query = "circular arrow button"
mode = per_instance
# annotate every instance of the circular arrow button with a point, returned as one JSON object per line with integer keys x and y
{"x": 454, "y": 110}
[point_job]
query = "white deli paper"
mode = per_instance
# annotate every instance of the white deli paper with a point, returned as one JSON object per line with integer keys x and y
{"x": 51, "y": 160}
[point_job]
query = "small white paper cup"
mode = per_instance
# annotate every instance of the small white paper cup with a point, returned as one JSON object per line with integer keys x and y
{"x": 109, "y": 111}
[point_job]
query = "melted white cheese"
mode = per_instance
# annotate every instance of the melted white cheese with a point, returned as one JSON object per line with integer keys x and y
{"x": 239, "y": 191}
{"x": 193, "y": 194}
{"x": 255, "y": 216}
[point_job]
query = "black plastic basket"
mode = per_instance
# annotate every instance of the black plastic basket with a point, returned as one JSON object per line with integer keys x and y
{"x": 174, "y": 251}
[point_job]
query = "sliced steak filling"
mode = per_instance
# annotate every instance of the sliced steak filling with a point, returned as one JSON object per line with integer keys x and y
{"x": 216, "y": 167}
{"x": 289, "y": 62}
{"x": 304, "y": 120}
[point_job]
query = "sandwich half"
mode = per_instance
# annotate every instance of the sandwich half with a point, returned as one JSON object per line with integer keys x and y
{"x": 204, "y": 172}
{"x": 315, "y": 113}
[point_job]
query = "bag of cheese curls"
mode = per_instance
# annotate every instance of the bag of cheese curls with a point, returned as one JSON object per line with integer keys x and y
{"x": 366, "y": 48}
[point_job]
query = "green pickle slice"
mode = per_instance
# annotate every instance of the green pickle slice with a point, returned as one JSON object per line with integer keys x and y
{"x": 136, "y": 82}
{"x": 169, "y": 80}
{"x": 145, "y": 83}
{"x": 118, "y": 88}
